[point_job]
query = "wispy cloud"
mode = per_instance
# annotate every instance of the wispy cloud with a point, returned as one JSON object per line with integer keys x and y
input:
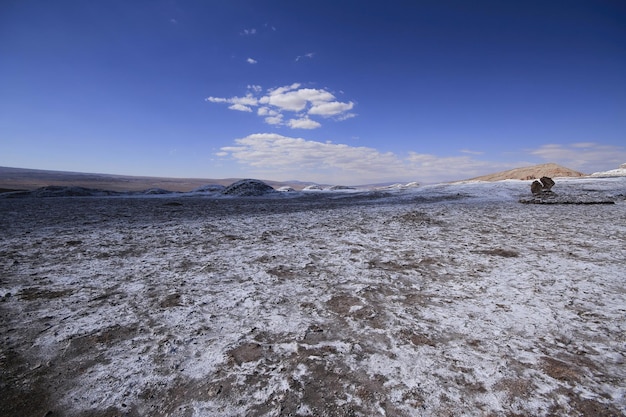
{"x": 240, "y": 107}
{"x": 307, "y": 55}
{"x": 251, "y": 61}
{"x": 470, "y": 152}
{"x": 276, "y": 156}
{"x": 248, "y": 32}
{"x": 236, "y": 103}
{"x": 304, "y": 103}
{"x": 586, "y": 157}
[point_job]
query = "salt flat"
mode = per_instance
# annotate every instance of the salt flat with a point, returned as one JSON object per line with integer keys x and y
{"x": 442, "y": 300}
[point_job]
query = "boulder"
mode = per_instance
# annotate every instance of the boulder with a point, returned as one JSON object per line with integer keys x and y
{"x": 536, "y": 187}
{"x": 547, "y": 183}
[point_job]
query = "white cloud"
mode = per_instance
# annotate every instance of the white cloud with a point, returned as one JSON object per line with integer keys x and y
{"x": 586, "y": 157}
{"x": 247, "y": 32}
{"x": 251, "y": 61}
{"x": 248, "y": 100}
{"x": 216, "y": 100}
{"x": 274, "y": 156}
{"x": 303, "y": 123}
{"x": 240, "y": 107}
{"x": 291, "y": 101}
{"x": 274, "y": 120}
{"x": 304, "y": 102}
{"x": 331, "y": 109}
{"x": 271, "y": 155}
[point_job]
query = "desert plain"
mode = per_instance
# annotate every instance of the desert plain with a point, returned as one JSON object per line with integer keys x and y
{"x": 443, "y": 300}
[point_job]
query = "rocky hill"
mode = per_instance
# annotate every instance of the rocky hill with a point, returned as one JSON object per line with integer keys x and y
{"x": 530, "y": 173}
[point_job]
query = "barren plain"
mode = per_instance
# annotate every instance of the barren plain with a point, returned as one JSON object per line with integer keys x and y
{"x": 447, "y": 300}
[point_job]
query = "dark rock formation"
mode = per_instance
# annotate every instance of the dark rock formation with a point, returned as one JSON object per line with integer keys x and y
{"x": 543, "y": 186}
{"x": 208, "y": 188}
{"x": 248, "y": 187}
{"x": 547, "y": 183}
{"x": 543, "y": 194}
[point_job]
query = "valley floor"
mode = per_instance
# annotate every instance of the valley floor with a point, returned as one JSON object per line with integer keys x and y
{"x": 448, "y": 300}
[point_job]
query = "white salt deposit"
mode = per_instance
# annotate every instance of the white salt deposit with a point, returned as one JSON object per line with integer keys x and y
{"x": 438, "y": 300}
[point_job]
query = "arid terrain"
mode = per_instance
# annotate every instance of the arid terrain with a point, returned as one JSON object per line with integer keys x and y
{"x": 446, "y": 300}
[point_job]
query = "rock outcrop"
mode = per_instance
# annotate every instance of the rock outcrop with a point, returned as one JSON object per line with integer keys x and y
{"x": 543, "y": 194}
{"x": 248, "y": 188}
{"x": 542, "y": 186}
{"x": 547, "y": 183}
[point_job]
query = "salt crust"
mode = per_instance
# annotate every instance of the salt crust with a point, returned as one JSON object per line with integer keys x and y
{"x": 404, "y": 301}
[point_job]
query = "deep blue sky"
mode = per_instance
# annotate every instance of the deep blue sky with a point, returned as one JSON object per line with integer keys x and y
{"x": 328, "y": 91}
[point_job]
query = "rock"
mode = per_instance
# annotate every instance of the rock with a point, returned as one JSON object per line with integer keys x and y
{"x": 156, "y": 191}
{"x": 248, "y": 187}
{"x": 547, "y": 183}
{"x": 247, "y": 352}
{"x": 542, "y": 186}
{"x": 313, "y": 187}
{"x": 208, "y": 188}
{"x": 341, "y": 187}
{"x": 536, "y": 187}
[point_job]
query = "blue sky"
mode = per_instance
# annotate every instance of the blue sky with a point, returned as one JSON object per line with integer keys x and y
{"x": 328, "y": 91}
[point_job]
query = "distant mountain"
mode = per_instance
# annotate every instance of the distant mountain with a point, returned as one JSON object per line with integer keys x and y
{"x": 13, "y": 179}
{"x": 619, "y": 172}
{"x": 530, "y": 173}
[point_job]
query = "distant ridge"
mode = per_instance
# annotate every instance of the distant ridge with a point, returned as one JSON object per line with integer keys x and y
{"x": 530, "y": 173}
{"x": 13, "y": 179}
{"x": 30, "y": 179}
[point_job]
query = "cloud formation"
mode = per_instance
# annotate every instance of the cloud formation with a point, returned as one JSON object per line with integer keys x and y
{"x": 251, "y": 61}
{"x": 302, "y": 102}
{"x": 271, "y": 155}
{"x": 274, "y": 156}
{"x": 303, "y": 123}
